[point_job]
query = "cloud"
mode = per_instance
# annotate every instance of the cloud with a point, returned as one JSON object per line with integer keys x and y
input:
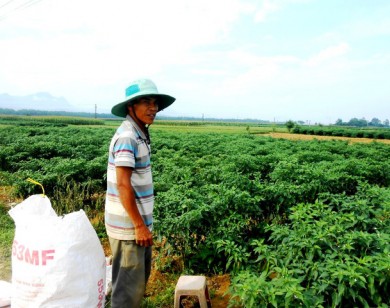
{"x": 210, "y": 54}
{"x": 328, "y": 54}
{"x": 268, "y": 7}
{"x": 111, "y": 40}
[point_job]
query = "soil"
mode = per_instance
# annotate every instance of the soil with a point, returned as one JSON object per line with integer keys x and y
{"x": 312, "y": 137}
{"x": 217, "y": 285}
{"x": 220, "y": 285}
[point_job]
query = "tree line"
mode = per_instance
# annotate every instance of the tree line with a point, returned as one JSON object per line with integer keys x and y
{"x": 375, "y": 122}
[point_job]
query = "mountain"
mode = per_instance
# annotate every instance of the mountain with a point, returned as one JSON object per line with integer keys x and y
{"x": 37, "y": 101}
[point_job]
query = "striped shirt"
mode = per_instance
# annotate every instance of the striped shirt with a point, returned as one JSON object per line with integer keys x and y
{"x": 128, "y": 148}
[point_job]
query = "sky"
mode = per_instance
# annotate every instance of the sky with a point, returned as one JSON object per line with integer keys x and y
{"x": 303, "y": 60}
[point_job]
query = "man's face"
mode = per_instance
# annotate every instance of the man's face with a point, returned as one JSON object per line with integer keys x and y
{"x": 146, "y": 109}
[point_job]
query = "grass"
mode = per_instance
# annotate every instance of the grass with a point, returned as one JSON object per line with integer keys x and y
{"x": 207, "y": 128}
{"x": 11, "y": 119}
{"x": 198, "y": 126}
{"x": 7, "y": 229}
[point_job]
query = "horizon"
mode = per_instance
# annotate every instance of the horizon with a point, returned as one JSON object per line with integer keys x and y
{"x": 70, "y": 113}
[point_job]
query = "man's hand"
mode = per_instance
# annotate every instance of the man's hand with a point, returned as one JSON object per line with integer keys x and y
{"x": 143, "y": 236}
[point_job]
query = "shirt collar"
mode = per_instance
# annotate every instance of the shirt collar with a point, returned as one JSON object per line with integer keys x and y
{"x": 135, "y": 125}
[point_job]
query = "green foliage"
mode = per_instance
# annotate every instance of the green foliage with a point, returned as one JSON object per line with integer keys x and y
{"x": 333, "y": 253}
{"x": 53, "y": 157}
{"x": 47, "y": 121}
{"x": 372, "y": 133}
{"x": 290, "y": 125}
{"x": 235, "y": 255}
{"x": 73, "y": 196}
{"x": 162, "y": 299}
{"x": 296, "y": 223}
{"x": 363, "y": 122}
{"x": 251, "y": 290}
{"x": 6, "y": 237}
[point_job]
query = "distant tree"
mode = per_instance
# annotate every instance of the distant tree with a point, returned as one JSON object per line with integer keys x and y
{"x": 358, "y": 122}
{"x": 339, "y": 122}
{"x": 290, "y": 124}
{"x": 354, "y": 122}
{"x": 375, "y": 122}
{"x": 386, "y": 122}
{"x": 363, "y": 122}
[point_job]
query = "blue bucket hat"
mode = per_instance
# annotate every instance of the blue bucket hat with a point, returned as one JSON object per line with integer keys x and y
{"x": 140, "y": 88}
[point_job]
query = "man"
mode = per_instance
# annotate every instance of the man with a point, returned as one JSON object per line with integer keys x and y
{"x": 130, "y": 197}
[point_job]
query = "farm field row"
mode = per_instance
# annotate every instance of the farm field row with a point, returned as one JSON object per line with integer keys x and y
{"x": 292, "y": 222}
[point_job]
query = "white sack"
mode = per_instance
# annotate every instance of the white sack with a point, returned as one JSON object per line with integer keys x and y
{"x": 5, "y": 293}
{"x": 56, "y": 261}
{"x": 108, "y": 284}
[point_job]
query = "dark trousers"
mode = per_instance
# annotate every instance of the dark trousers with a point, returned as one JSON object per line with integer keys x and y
{"x": 131, "y": 266}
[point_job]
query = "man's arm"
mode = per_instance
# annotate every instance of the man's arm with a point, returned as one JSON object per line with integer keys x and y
{"x": 143, "y": 236}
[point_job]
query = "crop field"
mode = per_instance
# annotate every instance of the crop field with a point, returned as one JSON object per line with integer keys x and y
{"x": 303, "y": 222}
{"x": 325, "y": 138}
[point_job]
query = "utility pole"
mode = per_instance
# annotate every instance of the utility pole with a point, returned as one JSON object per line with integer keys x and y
{"x": 95, "y": 110}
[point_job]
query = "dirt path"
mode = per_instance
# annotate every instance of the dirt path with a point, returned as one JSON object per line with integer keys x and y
{"x": 312, "y": 137}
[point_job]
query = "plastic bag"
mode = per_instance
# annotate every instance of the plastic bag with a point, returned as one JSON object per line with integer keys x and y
{"x": 108, "y": 275}
{"x": 5, "y": 293}
{"x": 56, "y": 261}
